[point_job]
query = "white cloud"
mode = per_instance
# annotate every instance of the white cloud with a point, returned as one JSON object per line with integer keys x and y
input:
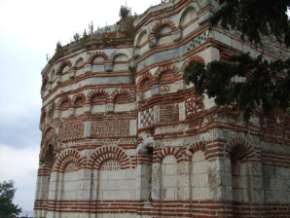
{"x": 20, "y": 165}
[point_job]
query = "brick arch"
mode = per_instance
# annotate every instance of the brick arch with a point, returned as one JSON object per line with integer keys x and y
{"x": 42, "y": 116}
{"x": 63, "y": 65}
{"x": 69, "y": 156}
{"x": 163, "y": 23}
{"x": 97, "y": 54}
{"x": 199, "y": 146}
{"x": 49, "y": 136}
{"x": 45, "y": 81}
{"x": 185, "y": 12}
{"x": 240, "y": 149}
{"x": 79, "y": 62}
{"x": 108, "y": 153}
{"x": 120, "y": 55}
{"x": 145, "y": 77}
{"x": 95, "y": 93}
{"x": 167, "y": 69}
{"x": 190, "y": 60}
{"x": 64, "y": 102}
{"x": 164, "y": 68}
{"x": 117, "y": 93}
{"x": 139, "y": 37}
{"x": 160, "y": 154}
{"x": 50, "y": 110}
{"x": 78, "y": 100}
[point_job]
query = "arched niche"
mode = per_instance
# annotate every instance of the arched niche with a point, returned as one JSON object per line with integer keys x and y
{"x": 141, "y": 39}
{"x": 245, "y": 171}
{"x": 120, "y": 58}
{"x": 163, "y": 35}
{"x": 79, "y": 100}
{"x": 70, "y": 182}
{"x": 79, "y": 62}
{"x": 120, "y": 62}
{"x": 188, "y": 16}
{"x": 98, "y": 60}
{"x": 64, "y": 68}
{"x": 64, "y": 103}
{"x": 169, "y": 179}
{"x": 112, "y": 178}
{"x": 241, "y": 172}
{"x": 123, "y": 98}
{"x": 200, "y": 188}
{"x": 98, "y": 98}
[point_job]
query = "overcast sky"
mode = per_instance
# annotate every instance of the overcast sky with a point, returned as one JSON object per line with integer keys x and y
{"x": 29, "y": 30}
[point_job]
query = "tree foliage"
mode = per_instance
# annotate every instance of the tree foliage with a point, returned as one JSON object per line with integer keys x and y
{"x": 255, "y": 19}
{"x": 250, "y": 84}
{"x": 7, "y": 208}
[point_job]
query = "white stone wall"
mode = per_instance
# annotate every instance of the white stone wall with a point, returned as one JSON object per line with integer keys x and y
{"x": 169, "y": 179}
{"x": 199, "y": 177}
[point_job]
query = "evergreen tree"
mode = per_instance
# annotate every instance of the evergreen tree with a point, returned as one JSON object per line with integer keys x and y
{"x": 7, "y": 208}
{"x": 246, "y": 83}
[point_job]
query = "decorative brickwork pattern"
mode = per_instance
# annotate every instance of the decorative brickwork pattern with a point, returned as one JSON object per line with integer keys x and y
{"x": 109, "y": 153}
{"x": 72, "y": 130}
{"x": 110, "y": 128}
{"x": 98, "y": 97}
{"x": 147, "y": 118}
{"x": 124, "y": 136}
{"x": 178, "y": 153}
{"x": 69, "y": 156}
{"x": 193, "y": 105}
{"x": 169, "y": 113}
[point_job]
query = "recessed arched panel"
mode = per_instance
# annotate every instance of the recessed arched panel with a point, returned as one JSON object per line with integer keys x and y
{"x": 98, "y": 60}
{"x": 243, "y": 160}
{"x": 112, "y": 177}
{"x": 64, "y": 68}
{"x": 163, "y": 35}
{"x": 145, "y": 84}
{"x": 120, "y": 58}
{"x": 169, "y": 183}
{"x": 64, "y": 103}
{"x": 199, "y": 176}
{"x": 79, "y": 63}
{"x": 141, "y": 39}
{"x": 79, "y": 100}
{"x": 166, "y": 77}
{"x": 70, "y": 182}
{"x": 123, "y": 98}
{"x": 188, "y": 16}
{"x": 98, "y": 97}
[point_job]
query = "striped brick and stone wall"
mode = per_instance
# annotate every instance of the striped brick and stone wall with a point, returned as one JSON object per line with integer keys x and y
{"x": 123, "y": 135}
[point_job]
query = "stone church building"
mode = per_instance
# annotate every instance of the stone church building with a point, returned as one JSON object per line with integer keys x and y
{"x": 123, "y": 135}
